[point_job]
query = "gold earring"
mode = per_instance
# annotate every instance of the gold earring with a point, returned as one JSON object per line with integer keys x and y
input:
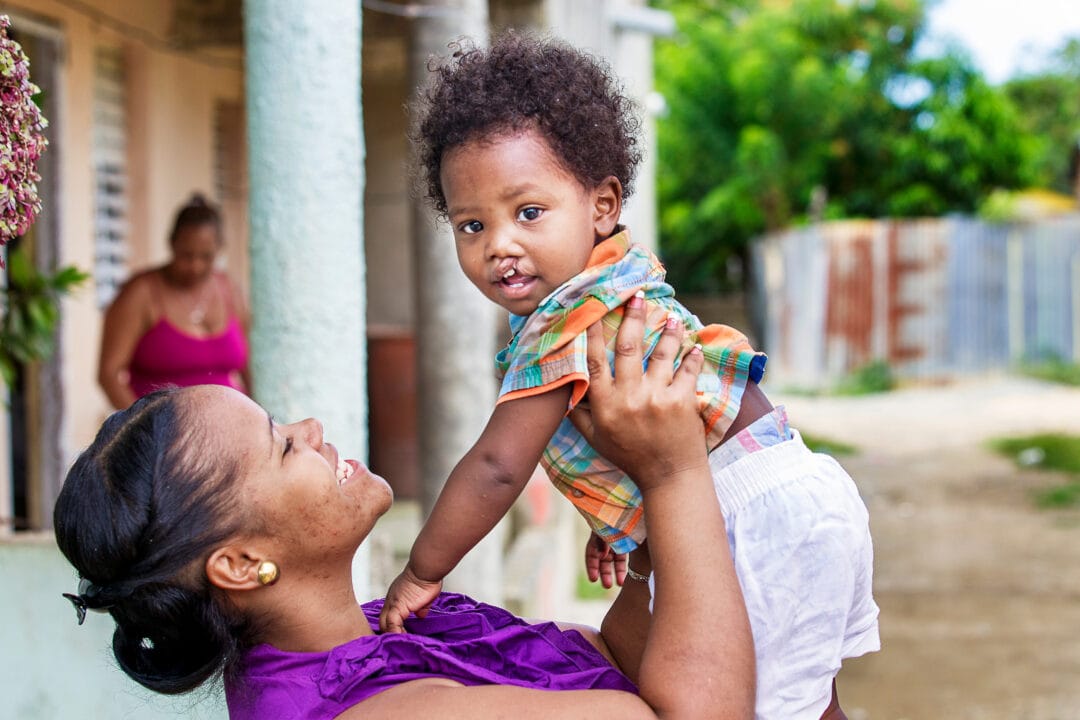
{"x": 268, "y": 572}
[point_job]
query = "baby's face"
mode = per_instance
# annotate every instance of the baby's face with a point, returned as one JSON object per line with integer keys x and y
{"x": 523, "y": 225}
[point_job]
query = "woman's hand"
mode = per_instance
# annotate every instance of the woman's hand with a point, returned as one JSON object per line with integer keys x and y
{"x": 647, "y": 422}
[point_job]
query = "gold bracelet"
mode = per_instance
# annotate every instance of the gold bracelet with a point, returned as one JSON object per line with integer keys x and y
{"x": 633, "y": 575}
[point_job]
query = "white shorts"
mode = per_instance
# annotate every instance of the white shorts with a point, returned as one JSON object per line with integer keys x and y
{"x": 800, "y": 537}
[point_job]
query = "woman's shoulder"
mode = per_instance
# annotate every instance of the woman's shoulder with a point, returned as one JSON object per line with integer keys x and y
{"x": 138, "y": 290}
{"x": 143, "y": 281}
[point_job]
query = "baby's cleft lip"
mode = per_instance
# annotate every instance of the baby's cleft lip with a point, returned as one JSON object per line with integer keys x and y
{"x": 503, "y": 268}
{"x": 515, "y": 278}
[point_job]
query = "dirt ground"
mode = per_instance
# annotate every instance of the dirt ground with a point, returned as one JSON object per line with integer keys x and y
{"x": 979, "y": 590}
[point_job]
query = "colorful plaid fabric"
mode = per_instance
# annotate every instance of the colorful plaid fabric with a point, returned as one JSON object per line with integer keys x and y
{"x": 770, "y": 429}
{"x": 549, "y": 349}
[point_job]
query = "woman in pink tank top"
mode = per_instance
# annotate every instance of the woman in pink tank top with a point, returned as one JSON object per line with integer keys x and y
{"x": 179, "y": 324}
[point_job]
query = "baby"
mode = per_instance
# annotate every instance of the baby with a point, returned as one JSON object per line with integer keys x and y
{"x": 529, "y": 148}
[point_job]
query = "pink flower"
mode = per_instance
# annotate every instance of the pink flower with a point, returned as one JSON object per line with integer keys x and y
{"x": 22, "y": 140}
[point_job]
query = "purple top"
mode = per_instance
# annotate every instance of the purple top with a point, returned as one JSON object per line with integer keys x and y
{"x": 460, "y": 639}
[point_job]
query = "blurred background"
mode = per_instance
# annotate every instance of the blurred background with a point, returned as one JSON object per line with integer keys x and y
{"x": 882, "y": 193}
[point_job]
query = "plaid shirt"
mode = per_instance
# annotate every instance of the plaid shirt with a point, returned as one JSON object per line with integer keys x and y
{"x": 549, "y": 349}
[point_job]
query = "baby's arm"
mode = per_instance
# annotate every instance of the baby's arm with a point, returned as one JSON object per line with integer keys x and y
{"x": 479, "y": 492}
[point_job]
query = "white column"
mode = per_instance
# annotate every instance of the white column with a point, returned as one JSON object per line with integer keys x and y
{"x": 306, "y": 175}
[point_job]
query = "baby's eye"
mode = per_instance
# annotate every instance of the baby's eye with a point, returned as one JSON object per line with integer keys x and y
{"x": 530, "y": 213}
{"x": 472, "y": 227}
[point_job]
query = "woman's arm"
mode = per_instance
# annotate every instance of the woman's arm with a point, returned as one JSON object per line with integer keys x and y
{"x": 243, "y": 315}
{"x": 699, "y": 619}
{"x": 479, "y": 492}
{"x": 698, "y": 660}
{"x": 125, "y": 322}
{"x": 625, "y": 628}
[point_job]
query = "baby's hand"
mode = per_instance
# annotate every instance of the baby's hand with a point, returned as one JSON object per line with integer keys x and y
{"x": 603, "y": 563}
{"x": 407, "y": 594}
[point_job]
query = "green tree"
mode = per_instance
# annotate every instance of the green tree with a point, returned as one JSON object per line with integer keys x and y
{"x": 965, "y": 140}
{"x": 782, "y": 109}
{"x": 1049, "y": 104}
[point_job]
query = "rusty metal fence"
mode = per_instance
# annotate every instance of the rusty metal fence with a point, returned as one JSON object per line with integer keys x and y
{"x": 935, "y": 298}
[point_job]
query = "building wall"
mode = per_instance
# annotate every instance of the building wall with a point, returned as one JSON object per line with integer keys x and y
{"x": 171, "y": 100}
{"x": 50, "y": 667}
{"x": 53, "y": 668}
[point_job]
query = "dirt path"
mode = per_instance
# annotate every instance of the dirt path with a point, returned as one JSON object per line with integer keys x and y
{"x": 979, "y": 590}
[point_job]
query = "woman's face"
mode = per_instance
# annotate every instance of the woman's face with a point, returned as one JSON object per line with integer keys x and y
{"x": 194, "y": 248}
{"x": 293, "y": 484}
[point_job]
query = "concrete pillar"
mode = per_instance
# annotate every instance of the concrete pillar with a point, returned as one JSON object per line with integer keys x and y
{"x": 634, "y": 26}
{"x": 455, "y": 325}
{"x": 306, "y": 173}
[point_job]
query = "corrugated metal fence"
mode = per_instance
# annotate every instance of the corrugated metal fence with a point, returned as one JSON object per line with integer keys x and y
{"x": 934, "y": 298}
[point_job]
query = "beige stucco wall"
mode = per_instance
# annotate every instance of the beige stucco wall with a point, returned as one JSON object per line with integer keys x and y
{"x": 170, "y": 115}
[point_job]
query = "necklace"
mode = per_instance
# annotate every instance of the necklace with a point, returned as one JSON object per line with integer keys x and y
{"x": 198, "y": 313}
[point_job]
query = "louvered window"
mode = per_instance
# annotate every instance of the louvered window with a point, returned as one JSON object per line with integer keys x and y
{"x": 110, "y": 175}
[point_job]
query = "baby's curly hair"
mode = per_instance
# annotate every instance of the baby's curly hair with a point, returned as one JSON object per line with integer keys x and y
{"x": 523, "y": 82}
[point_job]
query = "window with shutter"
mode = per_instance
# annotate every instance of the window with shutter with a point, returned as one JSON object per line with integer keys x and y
{"x": 110, "y": 175}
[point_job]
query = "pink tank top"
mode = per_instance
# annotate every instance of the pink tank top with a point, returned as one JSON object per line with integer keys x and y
{"x": 166, "y": 355}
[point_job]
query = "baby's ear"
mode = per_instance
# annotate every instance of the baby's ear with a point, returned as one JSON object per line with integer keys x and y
{"x": 607, "y": 206}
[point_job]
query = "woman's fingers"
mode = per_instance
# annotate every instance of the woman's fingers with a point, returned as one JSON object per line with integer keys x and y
{"x": 662, "y": 360}
{"x": 628, "y": 341}
{"x": 596, "y": 359}
{"x": 689, "y": 369}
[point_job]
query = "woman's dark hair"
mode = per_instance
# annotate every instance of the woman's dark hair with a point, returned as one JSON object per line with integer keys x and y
{"x": 520, "y": 83}
{"x": 137, "y": 516}
{"x": 196, "y": 212}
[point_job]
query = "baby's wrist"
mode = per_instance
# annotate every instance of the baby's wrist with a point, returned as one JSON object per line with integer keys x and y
{"x": 422, "y": 573}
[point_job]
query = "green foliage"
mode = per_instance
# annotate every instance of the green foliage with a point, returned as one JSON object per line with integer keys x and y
{"x": 773, "y": 104}
{"x": 1050, "y": 110}
{"x": 1049, "y": 451}
{"x": 1064, "y": 495}
{"x": 1056, "y": 451}
{"x": 586, "y": 590}
{"x": 874, "y": 377}
{"x": 1053, "y": 370}
{"x": 31, "y": 304}
{"x": 828, "y": 446}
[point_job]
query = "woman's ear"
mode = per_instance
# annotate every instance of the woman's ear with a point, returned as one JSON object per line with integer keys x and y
{"x": 607, "y": 206}
{"x": 233, "y": 567}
